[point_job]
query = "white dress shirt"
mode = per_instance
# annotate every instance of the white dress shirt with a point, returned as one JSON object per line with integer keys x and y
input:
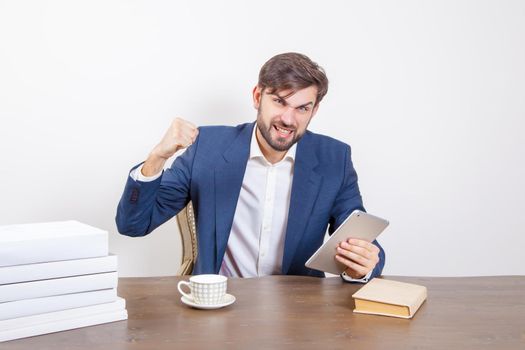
{"x": 256, "y": 242}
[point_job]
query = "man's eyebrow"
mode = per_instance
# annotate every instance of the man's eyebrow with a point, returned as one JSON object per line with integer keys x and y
{"x": 283, "y": 98}
{"x": 306, "y": 104}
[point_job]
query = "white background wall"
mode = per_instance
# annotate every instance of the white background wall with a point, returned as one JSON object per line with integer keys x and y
{"x": 430, "y": 94}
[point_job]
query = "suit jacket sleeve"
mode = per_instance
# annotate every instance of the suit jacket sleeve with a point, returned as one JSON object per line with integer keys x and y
{"x": 146, "y": 205}
{"x": 348, "y": 200}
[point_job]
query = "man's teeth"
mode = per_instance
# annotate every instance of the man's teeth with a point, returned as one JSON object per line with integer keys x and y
{"x": 283, "y": 130}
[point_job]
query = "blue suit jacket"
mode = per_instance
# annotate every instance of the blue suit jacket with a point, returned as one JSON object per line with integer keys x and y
{"x": 210, "y": 174}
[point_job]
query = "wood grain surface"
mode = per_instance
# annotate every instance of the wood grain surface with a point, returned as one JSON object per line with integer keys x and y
{"x": 291, "y": 312}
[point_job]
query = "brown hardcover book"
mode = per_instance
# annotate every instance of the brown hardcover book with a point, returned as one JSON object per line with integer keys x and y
{"x": 389, "y": 298}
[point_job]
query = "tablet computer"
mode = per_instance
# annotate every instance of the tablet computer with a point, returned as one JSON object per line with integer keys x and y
{"x": 358, "y": 225}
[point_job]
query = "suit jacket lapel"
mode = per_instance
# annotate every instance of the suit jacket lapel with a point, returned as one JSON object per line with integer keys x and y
{"x": 305, "y": 188}
{"x": 229, "y": 174}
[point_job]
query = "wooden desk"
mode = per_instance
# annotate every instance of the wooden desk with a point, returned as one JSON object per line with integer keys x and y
{"x": 284, "y": 312}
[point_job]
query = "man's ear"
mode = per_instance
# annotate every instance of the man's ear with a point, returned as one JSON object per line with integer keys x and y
{"x": 257, "y": 95}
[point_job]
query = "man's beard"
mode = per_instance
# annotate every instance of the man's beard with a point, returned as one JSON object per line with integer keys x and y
{"x": 279, "y": 144}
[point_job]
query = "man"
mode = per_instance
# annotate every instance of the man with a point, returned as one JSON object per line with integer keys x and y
{"x": 263, "y": 193}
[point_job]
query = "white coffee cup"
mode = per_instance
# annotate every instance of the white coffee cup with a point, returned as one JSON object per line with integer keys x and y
{"x": 205, "y": 289}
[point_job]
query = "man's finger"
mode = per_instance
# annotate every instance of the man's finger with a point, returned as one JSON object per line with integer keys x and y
{"x": 358, "y": 259}
{"x": 358, "y": 250}
{"x": 361, "y": 260}
{"x": 364, "y": 244}
{"x": 185, "y": 141}
{"x": 361, "y": 270}
{"x": 194, "y": 135}
{"x": 361, "y": 243}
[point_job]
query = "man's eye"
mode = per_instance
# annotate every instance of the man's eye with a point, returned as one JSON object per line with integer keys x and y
{"x": 279, "y": 101}
{"x": 304, "y": 109}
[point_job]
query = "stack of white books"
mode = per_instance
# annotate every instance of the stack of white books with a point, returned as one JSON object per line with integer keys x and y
{"x": 56, "y": 276}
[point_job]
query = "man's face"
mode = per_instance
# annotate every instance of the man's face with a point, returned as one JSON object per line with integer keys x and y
{"x": 281, "y": 119}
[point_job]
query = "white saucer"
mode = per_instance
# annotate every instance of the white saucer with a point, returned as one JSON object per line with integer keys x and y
{"x": 228, "y": 299}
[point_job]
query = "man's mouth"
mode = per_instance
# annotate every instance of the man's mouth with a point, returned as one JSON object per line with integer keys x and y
{"x": 283, "y": 132}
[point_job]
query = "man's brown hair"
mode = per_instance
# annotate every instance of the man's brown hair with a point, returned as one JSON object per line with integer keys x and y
{"x": 293, "y": 71}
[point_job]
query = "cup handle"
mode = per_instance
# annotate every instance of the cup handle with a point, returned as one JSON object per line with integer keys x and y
{"x": 179, "y": 287}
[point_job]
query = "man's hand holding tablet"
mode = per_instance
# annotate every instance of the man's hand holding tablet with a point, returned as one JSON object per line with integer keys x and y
{"x": 352, "y": 246}
{"x": 359, "y": 256}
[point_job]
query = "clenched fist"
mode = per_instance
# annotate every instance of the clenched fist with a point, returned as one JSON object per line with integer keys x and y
{"x": 180, "y": 134}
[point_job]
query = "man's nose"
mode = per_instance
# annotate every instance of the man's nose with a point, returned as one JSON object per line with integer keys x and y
{"x": 288, "y": 116}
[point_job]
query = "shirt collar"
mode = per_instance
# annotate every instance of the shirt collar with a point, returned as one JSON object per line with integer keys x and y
{"x": 255, "y": 150}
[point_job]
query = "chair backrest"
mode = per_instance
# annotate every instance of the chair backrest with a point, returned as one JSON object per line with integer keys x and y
{"x": 188, "y": 235}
